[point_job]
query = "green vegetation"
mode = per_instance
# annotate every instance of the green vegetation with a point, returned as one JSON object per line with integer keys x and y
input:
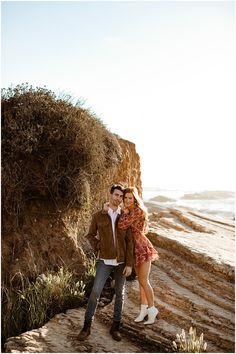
{"x": 189, "y": 343}
{"x": 91, "y": 266}
{"x": 52, "y": 149}
{"x": 32, "y": 303}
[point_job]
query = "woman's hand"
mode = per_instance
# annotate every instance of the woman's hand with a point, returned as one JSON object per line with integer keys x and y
{"x": 126, "y": 211}
{"x": 127, "y": 271}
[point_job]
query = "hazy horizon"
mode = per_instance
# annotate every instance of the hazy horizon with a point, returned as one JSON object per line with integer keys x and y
{"x": 187, "y": 190}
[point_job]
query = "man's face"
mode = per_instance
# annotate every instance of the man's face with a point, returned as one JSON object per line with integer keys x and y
{"x": 116, "y": 197}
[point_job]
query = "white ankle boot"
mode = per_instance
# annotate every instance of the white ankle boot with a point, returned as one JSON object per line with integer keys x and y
{"x": 152, "y": 313}
{"x": 143, "y": 313}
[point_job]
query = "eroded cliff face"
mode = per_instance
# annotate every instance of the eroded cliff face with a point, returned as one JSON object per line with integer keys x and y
{"x": 48, "y": 236}
{"x": 129, "y": 171}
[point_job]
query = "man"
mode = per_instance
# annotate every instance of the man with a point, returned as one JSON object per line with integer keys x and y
{"x": 115, "y": 253}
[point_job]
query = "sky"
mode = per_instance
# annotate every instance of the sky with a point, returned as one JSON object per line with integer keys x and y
{"x": 158, "y": 73}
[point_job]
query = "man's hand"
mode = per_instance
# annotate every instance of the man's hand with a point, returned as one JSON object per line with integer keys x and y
{"x": 127, "y": 271}
{"x": 106, "y": 206}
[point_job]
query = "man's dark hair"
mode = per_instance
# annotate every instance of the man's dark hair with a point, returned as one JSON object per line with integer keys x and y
{"x": 117, "y": 186}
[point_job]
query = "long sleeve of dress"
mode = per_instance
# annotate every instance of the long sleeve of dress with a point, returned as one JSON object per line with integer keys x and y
{"x": 127, "y": 220}
{"x": 143, "y": 248}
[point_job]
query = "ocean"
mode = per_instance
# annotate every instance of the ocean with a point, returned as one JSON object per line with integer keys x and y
{"x": 220, "y": 203}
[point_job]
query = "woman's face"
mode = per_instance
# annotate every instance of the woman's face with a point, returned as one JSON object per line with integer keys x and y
{"x": 128, "y": 200}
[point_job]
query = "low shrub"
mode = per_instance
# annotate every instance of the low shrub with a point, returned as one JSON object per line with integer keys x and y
{"x": 52, "y": 149}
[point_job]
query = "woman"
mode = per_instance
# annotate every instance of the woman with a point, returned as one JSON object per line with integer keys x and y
{"x": 135, "y": 216}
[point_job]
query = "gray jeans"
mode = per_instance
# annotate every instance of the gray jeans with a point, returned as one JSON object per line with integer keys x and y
{"x": 102, "y": 273}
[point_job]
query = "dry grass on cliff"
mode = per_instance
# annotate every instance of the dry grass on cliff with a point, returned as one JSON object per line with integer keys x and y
{"x": 32, "y": 303}
{"x": 52, "y": 149}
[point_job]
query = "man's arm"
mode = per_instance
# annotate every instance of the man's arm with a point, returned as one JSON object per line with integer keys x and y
{"x": 92, "y": 233}
{"x": 129, "y": 248}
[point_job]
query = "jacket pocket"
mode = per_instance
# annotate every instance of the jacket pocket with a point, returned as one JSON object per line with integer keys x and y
{"x": 103, "y": 224}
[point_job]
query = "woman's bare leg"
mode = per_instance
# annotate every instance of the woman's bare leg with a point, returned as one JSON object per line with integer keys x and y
{"x": 143, "y": 298}
{"x": 146, "y": 291}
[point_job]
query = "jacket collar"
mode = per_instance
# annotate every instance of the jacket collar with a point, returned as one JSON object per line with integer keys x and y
{"x": 106, "y": 212}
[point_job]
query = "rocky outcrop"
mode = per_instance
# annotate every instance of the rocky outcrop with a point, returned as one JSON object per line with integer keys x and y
{"x": 193, "y": 282}
{"x": 49, "y": 236}
{"x": 129, "y": 171}
{"x": 59, "y": 336}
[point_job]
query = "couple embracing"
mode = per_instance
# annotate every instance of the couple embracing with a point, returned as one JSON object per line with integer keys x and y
{"x": 119, "y": 237}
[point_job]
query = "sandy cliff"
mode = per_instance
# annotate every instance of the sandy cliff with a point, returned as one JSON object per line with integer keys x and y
{"x": 37, "y": 243}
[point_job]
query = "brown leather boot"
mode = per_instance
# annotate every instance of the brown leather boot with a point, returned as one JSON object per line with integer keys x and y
{"x": 85, "y": 332}
{"x": 114, "y": 331}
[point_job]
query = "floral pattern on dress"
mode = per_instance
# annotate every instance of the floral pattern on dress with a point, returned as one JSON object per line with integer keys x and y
{"x": 143, "y": 248}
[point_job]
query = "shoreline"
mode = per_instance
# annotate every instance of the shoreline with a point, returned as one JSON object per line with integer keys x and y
{"x": 153, "y": 205}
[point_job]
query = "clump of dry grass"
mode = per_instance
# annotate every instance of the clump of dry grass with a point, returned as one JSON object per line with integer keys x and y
{"x": 189, "y": 343}
{"x": 52, "y": 149}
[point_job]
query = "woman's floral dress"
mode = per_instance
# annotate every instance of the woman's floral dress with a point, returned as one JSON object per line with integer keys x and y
{"x": 143, "y": 249}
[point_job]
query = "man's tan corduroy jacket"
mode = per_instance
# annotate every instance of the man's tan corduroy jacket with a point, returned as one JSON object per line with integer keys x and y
{"x": 100, "y": 236}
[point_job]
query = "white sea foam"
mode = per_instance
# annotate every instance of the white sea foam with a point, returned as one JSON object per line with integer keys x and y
{"x": 221, "y": 203}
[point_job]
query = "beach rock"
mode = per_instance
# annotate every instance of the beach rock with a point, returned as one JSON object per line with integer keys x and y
{"x": 193, "y": 283}
{"x": 162, "y": 199}
{"x": 209, "y": 195}
{"x": 59, "y": 335}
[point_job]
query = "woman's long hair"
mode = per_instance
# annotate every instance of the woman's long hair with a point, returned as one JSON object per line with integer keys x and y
{"x": 138, "y": 201}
